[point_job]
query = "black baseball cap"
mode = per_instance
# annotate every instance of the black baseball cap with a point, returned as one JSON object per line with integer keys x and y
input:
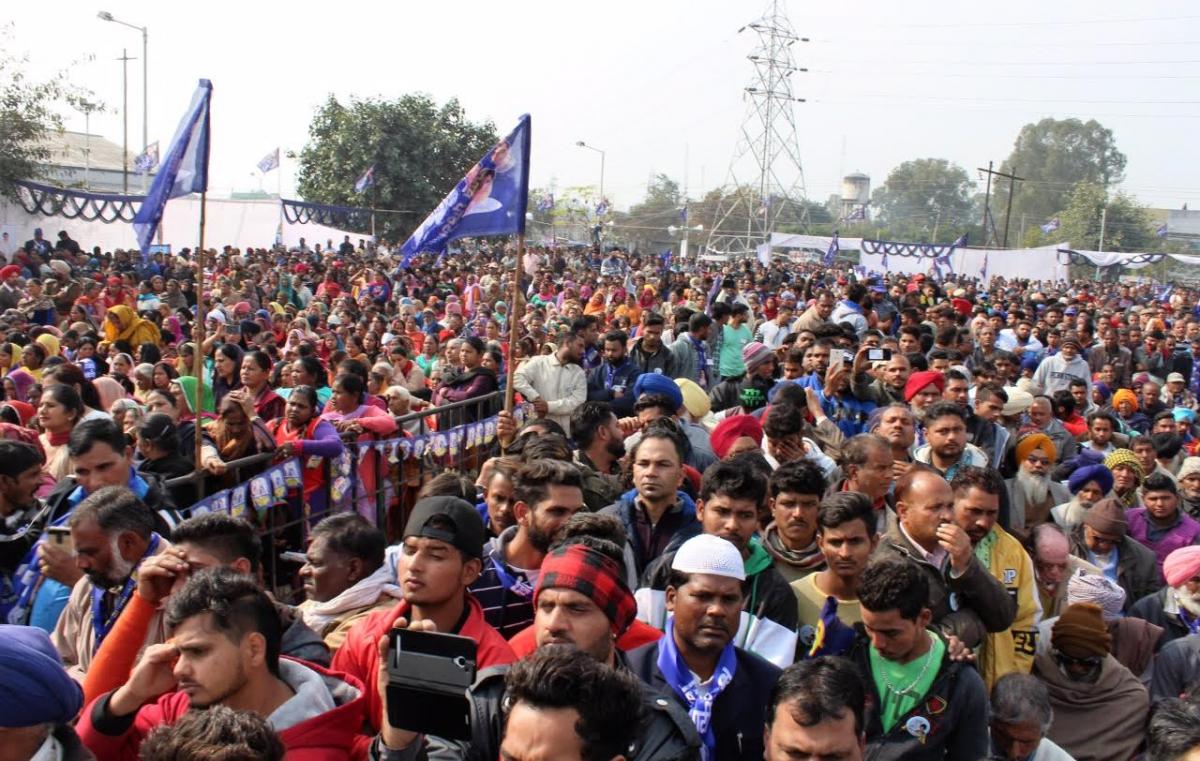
{"x": 466, "y": 530}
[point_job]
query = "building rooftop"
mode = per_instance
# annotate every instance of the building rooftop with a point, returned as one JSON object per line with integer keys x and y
{"x": 70, "y": 149}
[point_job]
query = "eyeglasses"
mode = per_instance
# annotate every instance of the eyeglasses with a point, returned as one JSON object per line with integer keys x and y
{"x": 1090, "y": 662}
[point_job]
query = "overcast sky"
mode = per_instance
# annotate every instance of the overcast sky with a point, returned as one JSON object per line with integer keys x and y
{"x": 653, "y": 81}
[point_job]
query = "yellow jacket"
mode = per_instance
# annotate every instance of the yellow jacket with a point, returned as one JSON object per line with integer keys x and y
{"x": 1012, "y": 650}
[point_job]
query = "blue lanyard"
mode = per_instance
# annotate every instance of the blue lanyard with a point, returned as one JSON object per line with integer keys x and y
{"x": 520, "y": 587}
{"x": 101, "y": 625}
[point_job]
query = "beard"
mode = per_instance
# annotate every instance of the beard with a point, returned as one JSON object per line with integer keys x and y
{"x": 239, "y": 682}
{"x": 615, "y": 448}
{"x": 1189, "y": 601}
{"x": 118, "y": 571}
{"x": 539, "y": 538}
{"x": 1033, "y": 487}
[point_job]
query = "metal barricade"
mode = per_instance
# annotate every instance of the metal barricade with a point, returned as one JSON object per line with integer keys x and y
{"x": 284, "y": 526}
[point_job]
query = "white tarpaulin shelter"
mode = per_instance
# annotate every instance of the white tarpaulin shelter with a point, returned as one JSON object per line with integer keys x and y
{"x": 238, "y": 223}
{"x": 1033, "y": 263}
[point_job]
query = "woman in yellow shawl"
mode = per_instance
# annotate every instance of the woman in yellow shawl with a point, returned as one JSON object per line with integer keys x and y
{"x": 121, "y": 323}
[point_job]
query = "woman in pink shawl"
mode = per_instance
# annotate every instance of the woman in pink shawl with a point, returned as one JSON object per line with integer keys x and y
{"x": 350, "y": 414}
{"x": 109, "y": 390}
{"x": 17, "y": 384}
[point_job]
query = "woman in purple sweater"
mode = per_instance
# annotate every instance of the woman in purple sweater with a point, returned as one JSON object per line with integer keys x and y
{"x": 474, "y": 381}
{"x": 300, "y": 433}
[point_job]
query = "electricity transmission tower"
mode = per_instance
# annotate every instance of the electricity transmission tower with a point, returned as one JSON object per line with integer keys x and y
{"x": 765, "y": 185}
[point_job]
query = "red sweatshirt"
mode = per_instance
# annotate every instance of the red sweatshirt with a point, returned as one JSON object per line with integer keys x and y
{"x": 359, "y": 654}
{"x": 329, "y": 736}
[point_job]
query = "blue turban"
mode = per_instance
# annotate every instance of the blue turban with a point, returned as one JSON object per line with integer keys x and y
{"x": 1029, "y": 362}
{"x": 34, "y": 686}
{"x": 1183, "y": 414}
{"x": 1098, "y": 473}
{"x": 654, "y": 383}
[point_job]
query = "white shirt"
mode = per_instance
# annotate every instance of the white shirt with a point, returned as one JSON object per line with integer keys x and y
{"x": 562, "y": 387}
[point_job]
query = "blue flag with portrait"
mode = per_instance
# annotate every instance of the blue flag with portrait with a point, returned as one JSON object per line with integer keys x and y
{"x": 490, "y": 200}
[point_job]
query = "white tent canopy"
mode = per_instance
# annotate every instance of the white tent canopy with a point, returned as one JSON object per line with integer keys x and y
{"x": 1033, "y": 263}
{"x": 240, "y": 223}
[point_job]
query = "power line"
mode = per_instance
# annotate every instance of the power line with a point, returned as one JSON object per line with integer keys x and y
{"x": 994, "y": 24}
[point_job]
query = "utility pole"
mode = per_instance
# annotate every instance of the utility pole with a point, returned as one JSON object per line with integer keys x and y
{"x": 1103, "y": 221}
{"x": 125, "y": 59}
{"x": 987, "y": 200}
{"x": 1013, "y": 179}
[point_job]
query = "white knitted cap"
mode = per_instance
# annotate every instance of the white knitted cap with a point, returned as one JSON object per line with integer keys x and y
{"x": 710, "y": 554}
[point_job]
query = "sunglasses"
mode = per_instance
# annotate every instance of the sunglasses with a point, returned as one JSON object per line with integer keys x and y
{"x": 1090, "y": 662}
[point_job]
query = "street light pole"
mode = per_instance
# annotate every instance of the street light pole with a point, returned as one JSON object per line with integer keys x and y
{"x": 582, "y": 144}
{"x": 106, "y": 16}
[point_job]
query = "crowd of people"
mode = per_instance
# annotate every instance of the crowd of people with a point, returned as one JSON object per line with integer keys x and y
{"x": 753, "y": 511}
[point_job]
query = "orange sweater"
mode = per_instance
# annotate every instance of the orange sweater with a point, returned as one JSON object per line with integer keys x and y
{"x": 118, "y": 653}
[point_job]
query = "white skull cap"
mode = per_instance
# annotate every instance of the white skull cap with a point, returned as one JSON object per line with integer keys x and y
{"x": 712, "y": 555}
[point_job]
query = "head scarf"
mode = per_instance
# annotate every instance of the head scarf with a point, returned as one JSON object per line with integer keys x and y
{"x": 188, "y": 384}
{"x": 1125, "y": 457}
{"x": 50, "y": 344}
{"x": 22, "y": 379}
{"x": 24, "y": 410}
{"x": 109, "y": 390}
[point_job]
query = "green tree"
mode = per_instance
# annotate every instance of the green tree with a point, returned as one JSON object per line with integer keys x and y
{"x": 29, "y": 114}
{"x": 420, "y": 151}
{"x": 925, "y": 199}
{"x": 1127, "y": 225}
{"x": 1055, "y": 155}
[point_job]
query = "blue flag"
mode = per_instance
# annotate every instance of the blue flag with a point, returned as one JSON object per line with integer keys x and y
{"x": 683, "y": 214}
{"x": 983, "y": 270}
{"x": 960, "y": 241}
{"x": 1050, "y": 226}
{"x": 665, "y": 257}
{"x": 184, "y": 171}
{"x": 366, "y": 181}
{"x": 490, "y": 200}
{"x": 832, "y": 252}
{"x": 1162, "y": 230}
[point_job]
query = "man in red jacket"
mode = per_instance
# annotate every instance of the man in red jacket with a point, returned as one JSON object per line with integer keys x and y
{"x": 225, "y": 651}
{"x": 441, "y": 556}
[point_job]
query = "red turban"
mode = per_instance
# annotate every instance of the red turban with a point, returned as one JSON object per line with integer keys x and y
{"x": 920, "y": 380}
{"x": 9, "y": 270}
{"x": 733, "y": 428}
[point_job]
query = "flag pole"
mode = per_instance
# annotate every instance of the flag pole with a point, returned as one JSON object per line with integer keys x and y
{"x": 198, "y": 336}
{"x": 509, "y": 390}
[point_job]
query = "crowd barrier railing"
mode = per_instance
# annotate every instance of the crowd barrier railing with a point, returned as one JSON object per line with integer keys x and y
{"x": 377, "y": 477}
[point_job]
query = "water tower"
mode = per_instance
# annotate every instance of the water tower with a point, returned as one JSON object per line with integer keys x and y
{"x": 856, "y": 196}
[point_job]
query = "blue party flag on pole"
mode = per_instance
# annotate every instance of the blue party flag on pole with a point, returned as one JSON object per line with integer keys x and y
{"x": 1050, "y": 226}
{"x": 1162, "y": 230}
{"x": 269, "y": 162}
{"x": 366, "y": 181}
{"x": 832, "y": 252}
{"x": 184, "y": 171}
{"x": 983, "y": 271}
{"x": 490, "y": 200}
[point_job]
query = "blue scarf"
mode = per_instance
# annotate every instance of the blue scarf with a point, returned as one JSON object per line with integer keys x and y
{"x": 683, "y": 681}
{"x": 701, "y": 360}
{"x": 101, "y": 624}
